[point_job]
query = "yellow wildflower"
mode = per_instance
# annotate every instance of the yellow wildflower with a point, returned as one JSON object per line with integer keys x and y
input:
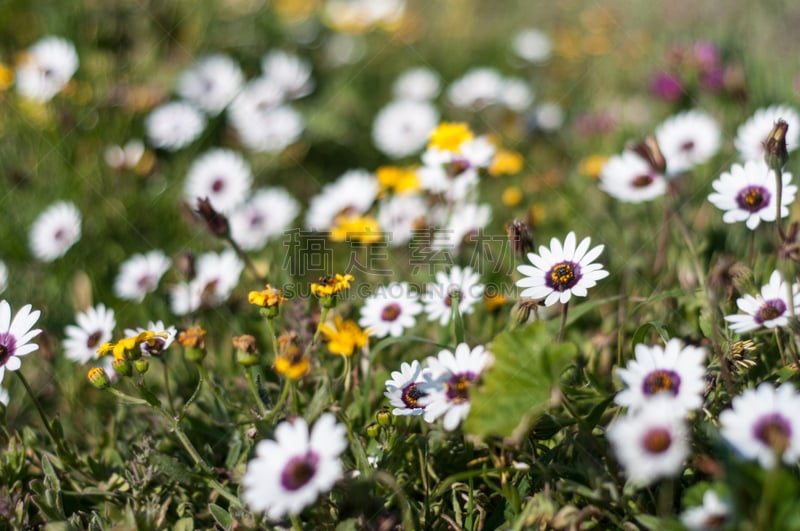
{"x": 396, "y": 179}
{"x": 449, "y": 136}
{"x": 331, "y": 285}
{"x": 494, "y": 302}
{"x": 129, "y": 344}
{"x": 505, "y": 162}
{"x": 193, "y": 337}
{"x": 592, "y": 165}
{"x": 291, "y": 362}
{"x": 512, "y": 196}
{"x": 364, "y": 229}
{"x": 99, "y": 378}
{"x": 6, "y": 76}
{"x": 267, "y": 298}
{"x": 345, "y": 337}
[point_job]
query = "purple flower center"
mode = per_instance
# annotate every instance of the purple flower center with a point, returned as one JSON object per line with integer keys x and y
{"x": 642, "y": 181}
{"x": 299, "y": 471}
{"x": 753, "y": 198}
{"x": 687, "y": 146}
{"x": 145, "y": 283}
{"x": 218, "y": 185}
{"x": 8, "y": 345}
{"x": 94, "y": 339}
{"x": 391, "y": 312}
{"x": 657, "y": 440}
{"x": 458, "y": 387}
{"x": 771, "y": 309}
{"x": 661, "y": 380}
{"x": 256, "y": 220}
{"x": 774, "y": 431}
{"x": 411, "y": 395}
{"x": 155, "y": 346}
{"x": 563, "y": 276}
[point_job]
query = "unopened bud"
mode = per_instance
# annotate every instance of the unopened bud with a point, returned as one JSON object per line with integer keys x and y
{"x": 141, "y": 365}
{"x": 216, "y": 222}
{"x": 383, "y": 417}
{"x": 521, "y": 312}
{"x": 99, "y": 378}
{"x": 775, "y": 152}
{"x": 520, "y": 237}
{"x": 246, "y": 352}
{"x": 373, "y": 430}
{"x": 122, "y": 366}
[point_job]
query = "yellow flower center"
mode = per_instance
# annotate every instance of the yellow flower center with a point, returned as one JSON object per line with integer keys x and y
{"x": 449, "y": 136}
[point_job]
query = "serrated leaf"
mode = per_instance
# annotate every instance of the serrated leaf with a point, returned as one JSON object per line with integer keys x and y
{"x": 518, "y": 385}
{"x": 223, "y": 518}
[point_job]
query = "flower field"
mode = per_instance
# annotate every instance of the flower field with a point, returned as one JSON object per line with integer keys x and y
{"x": 392, "y": 264}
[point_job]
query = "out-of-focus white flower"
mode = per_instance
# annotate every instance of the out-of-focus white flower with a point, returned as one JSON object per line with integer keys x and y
{"x": 174, "y": 125}
{"x": 289, "y": 72}
{"x": 392, "y": 309}
{"x": 140, "y": 275}
{"x": 549, "y": 116}
{"x": 261, "y": 120}
{"x": 215, "y": 277}
{"x": 221, "y": 175}
{"x": 400, "y": 216}
{"x": 266, "y": 215}
{"x": 478, "y": 88}
{"x": 55, "y": 230}
{"x": 712, "y": 514}
{"x": 353, "y": 194}
{"x": 418, "y": 83}
{"x": 629, "y": 178}
{"x": 95, "y": 327}
{"x": 516, "y": 94}
{"x": 532, "y": 45}
{"x": 124, "y": 157}
{"x": 3, "y": 276}
{"x": 211, "y": 83}
{"x": 467, "y": 220}
{"x": 462, "y": 283}
{"x": 46, "y": 68}
{"x": 688, "y": 139}
{"x": 751, "y": 135}
{"x": 402, "y": 127}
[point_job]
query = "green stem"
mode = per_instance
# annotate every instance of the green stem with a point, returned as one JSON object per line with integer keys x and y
{"x": 297, "y": 525}
{"x": 262, "y": 409}
{"x": 272, "y": 337}
{"x": 564, "y": 310}
{"x": 211, "y": 386}
{"x": 778, "y": 204}
{"x": 322, "y": 316}
{"x": 246, "y": 259}
{"x": 167, "y": 390}
{"x": 346, "y": 374}
{"x": 36, "y": 403}
{"x": 279, "y": 404}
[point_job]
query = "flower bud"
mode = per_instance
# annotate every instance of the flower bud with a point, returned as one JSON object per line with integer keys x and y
{"x": 122, "y": 366}
{"x": 99, "y": 378}
{"x": 246, "y": 352}
{"x": 216, "y": 222}
{"x": 521, "y": 312}
{"x": 520, "y": 237}
{"x": 775, "y": 152}
{"x": 141, "y": 365}
{"x": 649, "y": 151}
{"x": 373, "y": 430}
{"x": 383, "y": 417}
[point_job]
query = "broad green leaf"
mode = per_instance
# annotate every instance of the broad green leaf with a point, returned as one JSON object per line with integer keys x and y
{"x": 641, "y": 333}
{"x": 518, "y": 385}
{"x": 185, "y": 524}
{"x": 223, "y": 518}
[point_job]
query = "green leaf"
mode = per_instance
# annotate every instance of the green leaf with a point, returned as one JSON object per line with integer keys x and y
{"x": 641, "y": 332}
{"x": 148, "y": 395}
{"x": 185, "y": 524}
{"x": 223, "y": 518}
{"x": 518, "y": 385}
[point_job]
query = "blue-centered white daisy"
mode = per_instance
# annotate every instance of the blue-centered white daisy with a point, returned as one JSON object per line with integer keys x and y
{"x": 713, "y": 513}
{"x": 688, "y": 139}
{"x": 16, "y": 336}
{"x": 650, "y": 443}
{"x": 405, "y": 389}
{"x": 561, "y": 271}
{"x": 748, "y": 193}
{"x": 289, "y": 473}
{"x": 769, "y": 309}
{"x": 448, "y": 380}
{"x": 140, "y": 275}
{"x": 94, "y": 327}
{"x": 763, "y": 424}
{"x": 55, "y": 230}
{"x": 174, "y": 125}
{"x": 675, "y": 371}
{"x": 629, "y": 178}
{"x": 391, "y": 310}
{"x": 751, "y": 134}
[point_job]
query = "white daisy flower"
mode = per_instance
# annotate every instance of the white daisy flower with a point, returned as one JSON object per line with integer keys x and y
{"x": 160, "y": 344}
{"x": 751, "y": 135}
{"x": 560, "y": 272}
{"x": 438, "y": 298}
{"x": 95, "y": 327}
{"x": 15, "y": 336}
{"x": 4, "y": 396}
{"x": 650, "y": 443}
{"x": 478, "y": 88}
{"x": 216, "y": 274}
{"x": 140, "y": 275}
{"x": 629, "y": 178}
{"x": 267, "y": 214}
{"x": 124, "y": 157}
{"x": 418, "y": 83}
{"x": 404, "y": 390}
{"x": 392, "y": 309}
{"x": 221, "y": 175}
{"x": 516, "y": 94}
{"x": 676, "y": 372}
{"x": 289, "y": 72}
{"x": 46, "y": 68}
{"x": 261, "y": 120}
{"x": 353, "y": 193}
{"x": 211, "y": 83}
{"x": 174, "y": 125}
{"x": 448, "y": 379}
{"x": 289, "y": 473}
{"x": 55, "y": 230}
{"x": 402, "y": 127}
{"x": 532, "y": 45}
{"x": 3, "y": 276}
{"x": 548, "y": 116}
{"x": 468, "y": 220}
{"x": 762, "y": 424}
{"x": 688, "y": 139}
{"x": 769, "y": 309}
{"x": 400, "y": 216}
{"x": 748, "y": 193}
{"x": 712, "y": 514}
